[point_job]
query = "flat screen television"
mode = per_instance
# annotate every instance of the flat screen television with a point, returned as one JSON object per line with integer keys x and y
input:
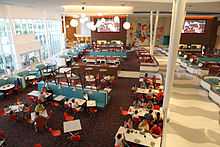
{"x": 194, "y": 26}
{"x": 108, "y": 25}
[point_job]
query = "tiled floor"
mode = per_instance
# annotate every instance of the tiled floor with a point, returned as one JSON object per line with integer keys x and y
{"x": 194, "y": 119}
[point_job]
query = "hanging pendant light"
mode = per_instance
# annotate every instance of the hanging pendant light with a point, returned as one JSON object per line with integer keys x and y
{"x": 116, "y": 19}
{"x": 93, "y": 27}
{"x": 126, "y": 25}
{"x": 74, "y": 23}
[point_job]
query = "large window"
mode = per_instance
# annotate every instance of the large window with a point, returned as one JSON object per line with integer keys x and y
{"x": 7, "y": 54}
{"x": 48, "y": 32}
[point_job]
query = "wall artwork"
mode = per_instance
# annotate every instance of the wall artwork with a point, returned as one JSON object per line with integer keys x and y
{"x": 139, "y": 34}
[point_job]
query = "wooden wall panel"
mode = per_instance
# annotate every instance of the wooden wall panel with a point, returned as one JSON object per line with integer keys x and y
{"x": 122, "y": 35}
{"x": 208, "y": 38}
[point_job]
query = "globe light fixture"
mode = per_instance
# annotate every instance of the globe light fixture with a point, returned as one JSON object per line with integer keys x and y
{"x": 126, "y": 25}
{"x": 74, "y": 23}
{"x": 93, "y": 28}
{"x": 116, "y": 19}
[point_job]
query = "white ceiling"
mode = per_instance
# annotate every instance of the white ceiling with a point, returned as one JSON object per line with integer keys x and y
{"x": 138, "y": 5}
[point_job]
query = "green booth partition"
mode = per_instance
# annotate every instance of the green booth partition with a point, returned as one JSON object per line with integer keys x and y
{"x": 121, "y": 54}
{"x": 10, "y": 80}
{"x": 21, "y": 75}
{"x": 100, "y": 96}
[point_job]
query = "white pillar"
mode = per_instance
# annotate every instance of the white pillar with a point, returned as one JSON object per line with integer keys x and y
{"x": 178, "y": 16}
{"x": 151, "y": 32}
{"x": 155, "y": 29}
{"x": 64, "y": 26}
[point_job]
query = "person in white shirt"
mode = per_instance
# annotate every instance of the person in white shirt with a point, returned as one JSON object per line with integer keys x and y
{"x": 119, "y": 140}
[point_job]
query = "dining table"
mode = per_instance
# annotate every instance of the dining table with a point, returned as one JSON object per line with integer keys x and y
{"x": 142, "y": 111}
{"x": 71, "y": 126}
{"x": 139, "y": 137}
{"x": 7, "y": 87}
{"x": 91, "y": 103}
{"x": 14, "y": 108}
{"x": 90, "y": 78}
{"x": 146, "y": 91}
{"x": 30, "y": 77}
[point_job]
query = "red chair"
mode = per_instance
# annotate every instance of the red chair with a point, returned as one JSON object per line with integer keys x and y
{"x": 13, "y": 117}
{"x": 75, "y": 138}
{"x": 2, "y": 134}
{"x": 54, "y": 133}
{"x": 93, "y": 110}
{"x": 38, "y": 145}
{"x": 123, "y": 112}
{"x": 156, "y": 107}
{"x": 2, "y": 112}
{"x": 67, "y": 117}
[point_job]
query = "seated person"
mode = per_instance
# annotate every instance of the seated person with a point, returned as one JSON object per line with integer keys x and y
{"x": 41, "y": 97}
{"x": 135, "y": 115}
{"x": 136, "y": 119}
{"x": 134, "y": 88}
{"x": 136, "y": 103}
{"x": 156, "y": 130}
{"x": 40, "y": 122}
{"x": 75, "y": 105}
{"x": 146, "y": 75}
{"x": 150, "y": 92}
{"x": 86, "y": 96}
{"x": 26, "y": 110}
{"x": 149, "y": 116}
{"x": 119, "y": 140}
{"x": 39, "y": 107}
{"x": 12, "y": 116}
{"x": 159, "y": 97}
{"x": 149, "y": 105}
{"x": 154, "y": 81}
{"x": 129, "y": 123}
{"x": 158, "y": 119}
{"x": 144, "y": 125}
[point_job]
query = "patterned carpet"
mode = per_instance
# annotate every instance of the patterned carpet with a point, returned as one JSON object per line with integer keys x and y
{"x": 97, "y": 131}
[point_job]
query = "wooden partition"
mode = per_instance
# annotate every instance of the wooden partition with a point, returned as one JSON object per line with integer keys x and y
{"x": 122, "y": 35}
{"x": 208, "y": 38}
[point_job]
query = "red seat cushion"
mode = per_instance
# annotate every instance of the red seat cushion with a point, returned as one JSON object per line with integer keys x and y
{"x": 37, "y": 145}
{"x": 76, "y": 138}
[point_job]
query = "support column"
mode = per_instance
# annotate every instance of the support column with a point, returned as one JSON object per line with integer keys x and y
{"x": 178, "y": 17}
{"x": 155, "y": 29}
{"x": 151, "y": 32}
{"x": 64, "y": 28}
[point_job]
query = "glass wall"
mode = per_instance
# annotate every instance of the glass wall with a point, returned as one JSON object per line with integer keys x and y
{"x": 48, "y": 32}
{"x": 7, "y": 54}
